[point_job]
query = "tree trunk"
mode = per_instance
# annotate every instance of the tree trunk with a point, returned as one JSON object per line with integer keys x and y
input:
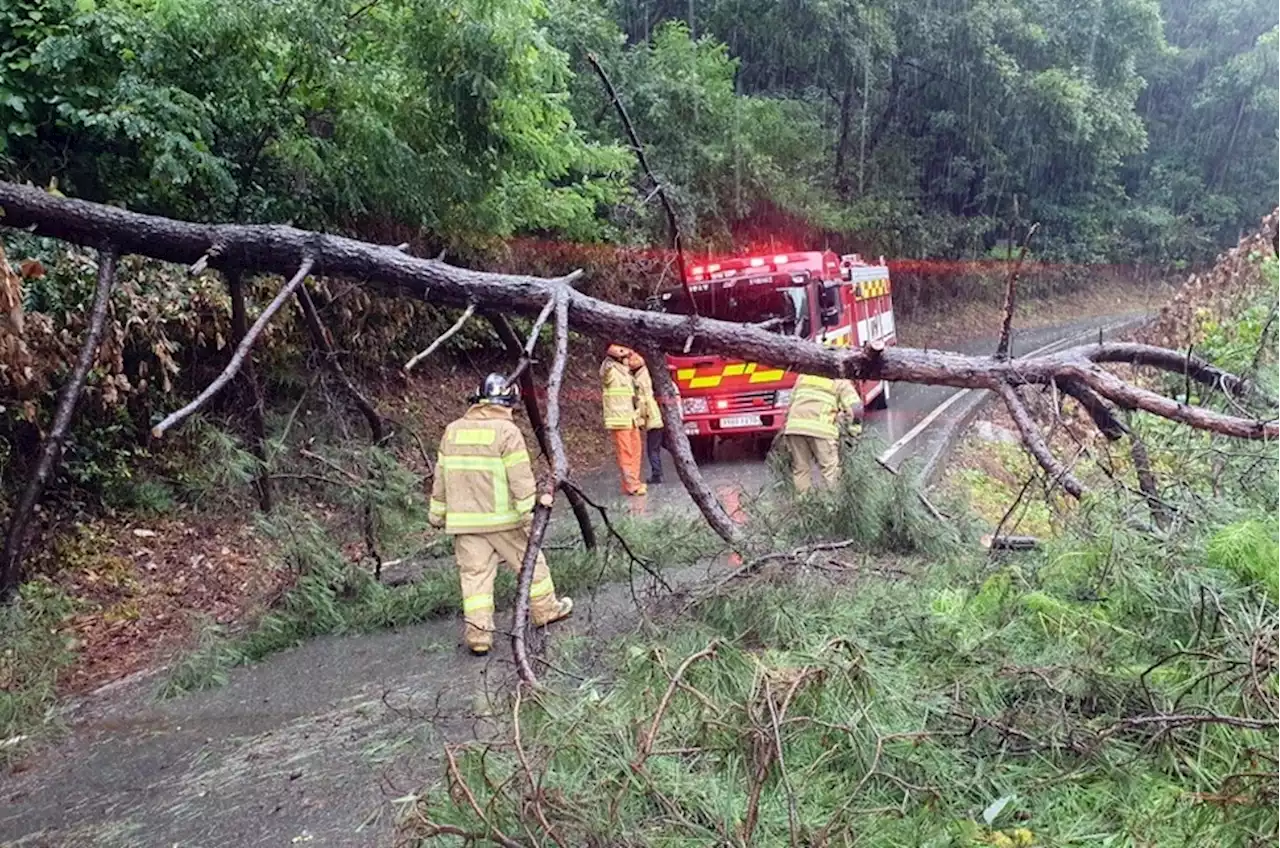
{"x": 842, "y": 143}
{"x": 250, "y": 391}
{"x": 51, "y": 451}
{"x": 280, "y": 250}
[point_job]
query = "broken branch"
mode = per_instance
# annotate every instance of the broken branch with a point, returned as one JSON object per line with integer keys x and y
{"x": 51, "y": 450}
{"x": 444, "y": 337}
{"x": 541, "y": 511}
{"x": 1035, "y": 443}
{"x": 242, "y": 352}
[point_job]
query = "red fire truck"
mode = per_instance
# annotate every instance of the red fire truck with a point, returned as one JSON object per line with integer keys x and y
{"x": 815, "y": 295}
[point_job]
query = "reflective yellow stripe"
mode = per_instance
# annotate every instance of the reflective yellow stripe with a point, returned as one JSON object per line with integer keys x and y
{"x": 477, "y": 436}
{"x": 686, "y": 373}
{"x": 476, "y": 603}
{"x": 625, "y": 422}
{"x": 809, "y": 381}
{"x": 707, "y": 382}
{"x": 620, "y": 391}
{"x": 525, "y": 504}
{"x": 515, "y": 457}
{"x": 542, "y": 587}
{"x": 767, "y": 376}
{"x": 735, "y": 370}
{"x": 481, "y": 520}
{"x": 437, "y": 507}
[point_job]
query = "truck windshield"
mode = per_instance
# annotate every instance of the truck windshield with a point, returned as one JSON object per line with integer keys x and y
{"x": 782, "y": 310}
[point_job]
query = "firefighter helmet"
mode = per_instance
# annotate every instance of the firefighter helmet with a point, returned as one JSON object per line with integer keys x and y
{"x": 495, "y": 390}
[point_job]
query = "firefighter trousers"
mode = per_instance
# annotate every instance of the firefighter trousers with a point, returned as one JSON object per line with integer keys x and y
{"x": 653, "y": 450}
{"x": 478, "y": 555}
{"x": 808, "y": 451}
{"x": 627, "y": 445}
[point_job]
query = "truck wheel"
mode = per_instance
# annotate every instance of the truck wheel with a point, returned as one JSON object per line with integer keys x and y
{"x": 703, "y": 448}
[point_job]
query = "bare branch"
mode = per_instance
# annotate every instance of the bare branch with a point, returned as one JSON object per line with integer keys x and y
{"x": 529, "y": 397}
{"x": 254, "y": 400}
{"x": 542, "y": 512}
{"x": 320, "y": 338}
{"x": 444, "y": 337}
{"x": 638, "y": 148}
{"x": 238, "y": 358}
{"x": 1006, "y": 323}
{"x": 1035, "y": 443}
{"x": 51, "y": 450}
{"x": 677, "y": 442}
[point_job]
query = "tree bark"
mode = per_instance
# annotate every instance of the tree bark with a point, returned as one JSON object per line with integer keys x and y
{"x": 673, "y": 436}
{"x": 251, "y": 390}
{"x": 1032, "y": 438}
{"x": 528, "y": 394}
{"x": 51, "y": 451}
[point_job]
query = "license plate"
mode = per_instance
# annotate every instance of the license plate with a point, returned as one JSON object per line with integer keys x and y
{"x": 691, "y": 429}
{"x": 741, "y": 421}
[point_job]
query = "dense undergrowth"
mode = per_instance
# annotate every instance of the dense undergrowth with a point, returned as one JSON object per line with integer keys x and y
{"x": 1113, "y": 688}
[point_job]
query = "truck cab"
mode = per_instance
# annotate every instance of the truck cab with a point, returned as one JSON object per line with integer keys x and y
{"x": 814, "y": 295}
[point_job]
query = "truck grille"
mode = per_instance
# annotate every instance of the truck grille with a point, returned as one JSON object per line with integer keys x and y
{"x": 748, "y": 402}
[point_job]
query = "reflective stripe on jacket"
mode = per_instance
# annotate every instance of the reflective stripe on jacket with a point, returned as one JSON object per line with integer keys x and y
{"x": 484, "y": 481}
{"x": 650, "y": 413}
{"x": 619, "y": 395}
{"x": 814, "y": 404}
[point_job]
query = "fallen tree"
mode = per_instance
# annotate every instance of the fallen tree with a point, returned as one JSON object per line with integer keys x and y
{"x": 293, "y": 253}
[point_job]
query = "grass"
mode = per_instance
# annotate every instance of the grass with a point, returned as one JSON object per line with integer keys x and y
{"x": 331, "y": 596}
{"x": 905, "y": 709}
{"x": 35, "y": 647}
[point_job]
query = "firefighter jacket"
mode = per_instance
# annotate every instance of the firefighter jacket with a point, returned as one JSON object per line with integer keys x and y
{"x": 814, "y": 404}
{"x": 646, "y": 404}
{"x": 484, "y": 481}
{"x": 619, "y": 395}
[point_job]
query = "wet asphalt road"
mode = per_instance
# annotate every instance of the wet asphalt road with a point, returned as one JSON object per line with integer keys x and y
{"x": 738, "y": 469}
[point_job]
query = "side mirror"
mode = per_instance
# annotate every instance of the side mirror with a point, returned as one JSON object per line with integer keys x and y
{"x": 829, "y": 305}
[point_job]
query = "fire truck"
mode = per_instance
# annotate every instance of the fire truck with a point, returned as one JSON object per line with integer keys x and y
{"x": 815, "y": 295}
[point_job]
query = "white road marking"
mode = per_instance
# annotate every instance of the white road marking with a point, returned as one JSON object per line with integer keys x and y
{"x": 946, "y": 404}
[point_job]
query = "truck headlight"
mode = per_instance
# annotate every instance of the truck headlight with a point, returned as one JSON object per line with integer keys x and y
{"x": 695, "y": 406}
{"x": 784, "y": 398}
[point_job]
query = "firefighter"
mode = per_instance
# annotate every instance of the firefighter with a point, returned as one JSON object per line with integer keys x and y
{"x": 811, "y": 430}
{"x": 650, "y": 415}
{"x": 483, "y": 495}
{"x": 620, "y": 416}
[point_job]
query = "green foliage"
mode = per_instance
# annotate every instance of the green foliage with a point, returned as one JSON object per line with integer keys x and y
{"x": 1249, "y": 551}
{"x": 879, "y": 511}
{"x": 1020, "y": 704}
{"x": 448, "y": 116}
{"x": 35, "y": 647}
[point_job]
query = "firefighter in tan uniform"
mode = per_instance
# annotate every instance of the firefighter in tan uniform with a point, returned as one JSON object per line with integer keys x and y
{"x": 650, "y": 415}
{"x": 621, "y": 417}
{"x": 483, "y": 495}
{"x": 811, "y": 431}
